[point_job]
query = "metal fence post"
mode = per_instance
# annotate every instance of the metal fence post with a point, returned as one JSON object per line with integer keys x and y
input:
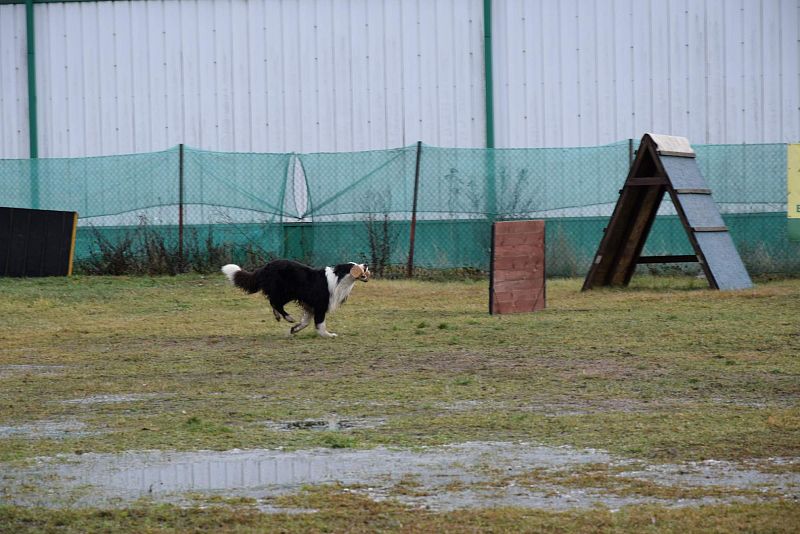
{"x": 180, "y": 207}
{"x": 413, "y": 232}
{"x": 630, "y": 153}
{"x": 33, "y": 125}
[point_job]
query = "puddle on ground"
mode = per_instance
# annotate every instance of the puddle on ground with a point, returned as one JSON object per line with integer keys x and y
{"x": 555, "y": 408}
{"x": 45, "y": 429}
{"x": 468, "y": 475}
{"x": 22, "y": 369}
{"x": 719, "y": 473}
{"x": 110, "y": 399}
{"x": 332, "y": 424}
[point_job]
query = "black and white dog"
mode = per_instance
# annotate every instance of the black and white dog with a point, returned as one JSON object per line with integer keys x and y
{"x": 318, "y": 291}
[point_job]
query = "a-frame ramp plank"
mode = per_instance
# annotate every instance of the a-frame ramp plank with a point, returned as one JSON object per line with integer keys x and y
{"x": 643, "y": 218}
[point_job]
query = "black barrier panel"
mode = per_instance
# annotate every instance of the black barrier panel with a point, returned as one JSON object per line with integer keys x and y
{"x": 36, "y": 242}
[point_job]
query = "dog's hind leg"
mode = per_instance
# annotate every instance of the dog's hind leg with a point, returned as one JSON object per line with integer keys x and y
{"x": 302, "y": 324}
{"x": 278, "y": 311}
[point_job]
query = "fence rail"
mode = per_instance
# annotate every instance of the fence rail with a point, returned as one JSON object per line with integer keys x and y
{"x": 415, "y": 206}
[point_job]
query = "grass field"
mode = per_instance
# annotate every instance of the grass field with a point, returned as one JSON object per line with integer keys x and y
{"x": 666, "y": 371}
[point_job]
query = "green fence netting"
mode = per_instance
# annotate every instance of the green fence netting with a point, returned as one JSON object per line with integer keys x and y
{"x": 212, "y": 207}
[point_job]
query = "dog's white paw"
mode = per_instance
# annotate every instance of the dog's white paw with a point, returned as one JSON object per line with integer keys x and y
{"x": 327, "y": 334}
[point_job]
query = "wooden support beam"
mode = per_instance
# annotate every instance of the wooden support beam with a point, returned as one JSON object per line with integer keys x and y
{"x": 710, "y": 229}
{"x": 693, "y": 191}
{"x": 677, "y": 258}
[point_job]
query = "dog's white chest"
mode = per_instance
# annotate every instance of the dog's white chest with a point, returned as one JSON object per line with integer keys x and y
{"x": 338, "y": 290}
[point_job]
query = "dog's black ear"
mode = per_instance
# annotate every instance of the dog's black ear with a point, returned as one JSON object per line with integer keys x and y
{"x": 342, "y": 269}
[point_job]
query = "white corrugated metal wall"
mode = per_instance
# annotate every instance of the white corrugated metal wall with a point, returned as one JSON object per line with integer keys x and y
{"x": 341, "y": 75}
{"x": 586, "y": 72}
{"x": 13, "y": 83}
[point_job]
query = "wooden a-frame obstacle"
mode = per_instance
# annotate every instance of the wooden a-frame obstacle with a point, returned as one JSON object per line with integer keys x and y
{"x": 666, "y": 164}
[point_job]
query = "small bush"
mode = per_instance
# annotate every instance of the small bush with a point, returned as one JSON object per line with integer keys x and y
{"x": 152, "y": 250}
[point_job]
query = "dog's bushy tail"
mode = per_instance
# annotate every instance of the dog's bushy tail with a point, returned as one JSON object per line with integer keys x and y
{"x": 242, "y": 279}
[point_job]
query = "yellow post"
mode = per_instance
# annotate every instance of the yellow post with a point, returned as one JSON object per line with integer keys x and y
{"x": 72, "y": 243}
{"x": 793, "y": 189}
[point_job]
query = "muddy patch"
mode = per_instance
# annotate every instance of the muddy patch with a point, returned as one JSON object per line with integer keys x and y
{"x": 112, "y": 399}
{"x": 558, "y": 408}
{"x": 22, "y": 369}
{"x": 726, "y": 474}
{"x": 45, "y": 429}
{"x": 330, "y": 424}
{"x": 468, "y": 475}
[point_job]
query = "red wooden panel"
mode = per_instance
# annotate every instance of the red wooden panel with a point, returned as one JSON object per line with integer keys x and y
{"x": 518, "y": 267}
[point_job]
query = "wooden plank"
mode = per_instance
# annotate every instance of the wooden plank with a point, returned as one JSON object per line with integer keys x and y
{"x": 647, "y": 181}
{"x": 648, "y": 207}
{"x": 693, "y": 191}
{"x": 606, "y": 261}
{"x": 710, "y": 229}
{"x": 684, "y": 258}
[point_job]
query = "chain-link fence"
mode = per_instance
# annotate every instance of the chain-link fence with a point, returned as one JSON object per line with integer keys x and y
{"x": 187, "y": 209}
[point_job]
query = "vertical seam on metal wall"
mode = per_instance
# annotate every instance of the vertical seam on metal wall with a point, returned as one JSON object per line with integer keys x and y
{"x": 351, "y": 87}
{"x": 579, "y": 99}
{"x": 780, "y": 73}
{"x": 670, "y": 100}
{"x": 385, "y": 62}
{"x": 687, "y": 67}
{"x": 317, "y": 108}
{"x": 334, "y": 114}
{"x": 762, "y": 96}
{"x": 560, "y": 75}
{"x": 368, "y": 75}
{"x": 488, "y": 81}
{"x": 283, "y": 75}
{"x": 437, "y": 78}
{"x": 454, "y": 116}
{"x": 132, "y": 82}
{"x": 705, "y": 71}
{"x": 232, "y": 75}
{"x": 525, "y": 56}
{"x": 743, "y": 69}
{"x": 724, "y": 79}
{"x": 402, "y": 50}
{"x": 248, "y": 82}
{"x": 542, "y": 100}
{"x": 632, "y": 71}
{"x": 181, "y": 61}
{"x": 597, "y": 74}
{"x": 650, "y": 45}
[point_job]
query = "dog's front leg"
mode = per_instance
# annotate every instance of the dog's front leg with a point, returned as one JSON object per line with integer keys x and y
{"x": 319, "y": 322}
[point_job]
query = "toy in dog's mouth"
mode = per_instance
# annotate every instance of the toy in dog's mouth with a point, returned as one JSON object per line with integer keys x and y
{"x": 360, "y": 272}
